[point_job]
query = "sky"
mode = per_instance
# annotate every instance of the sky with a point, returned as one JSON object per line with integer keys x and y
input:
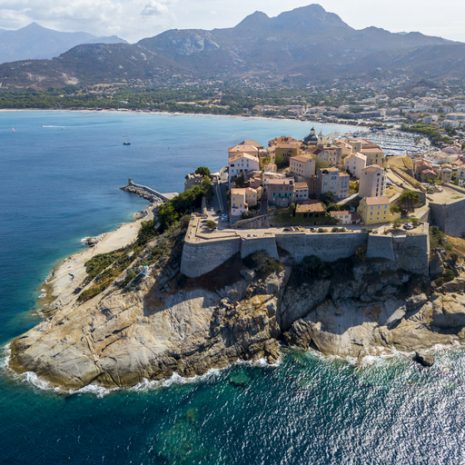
{"x": 135, "y": 19}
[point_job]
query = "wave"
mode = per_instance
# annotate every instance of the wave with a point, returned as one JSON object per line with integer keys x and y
{"x": 53, "y": 126}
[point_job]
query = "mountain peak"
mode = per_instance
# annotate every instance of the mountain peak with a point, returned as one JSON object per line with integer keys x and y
{"x": 255, "y": 19}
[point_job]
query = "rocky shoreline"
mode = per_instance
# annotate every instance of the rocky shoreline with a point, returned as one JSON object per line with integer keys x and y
{"x": 244, "y": 311}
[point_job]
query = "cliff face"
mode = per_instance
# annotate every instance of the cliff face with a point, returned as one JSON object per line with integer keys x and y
{"x": 171, "y": 324}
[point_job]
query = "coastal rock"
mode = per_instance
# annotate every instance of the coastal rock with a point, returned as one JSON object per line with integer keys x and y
{"x": 424, "y": 359}
{"x": 449, "y": 312}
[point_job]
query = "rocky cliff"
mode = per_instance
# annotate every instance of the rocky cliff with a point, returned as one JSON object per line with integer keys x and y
{"x": 247, "y": 309}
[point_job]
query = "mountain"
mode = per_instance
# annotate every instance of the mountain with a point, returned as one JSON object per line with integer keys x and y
{"x": 35, "y": 42}
{"x": 304, "y": 46}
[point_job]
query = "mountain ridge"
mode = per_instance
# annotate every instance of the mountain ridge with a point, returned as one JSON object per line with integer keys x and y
{"x": 304, "y": 46}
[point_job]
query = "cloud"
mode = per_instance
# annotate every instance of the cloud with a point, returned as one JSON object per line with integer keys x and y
{"x": 128, "y": 18}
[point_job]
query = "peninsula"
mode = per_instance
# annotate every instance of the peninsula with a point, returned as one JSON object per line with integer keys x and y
{"x": 318, "y": 243}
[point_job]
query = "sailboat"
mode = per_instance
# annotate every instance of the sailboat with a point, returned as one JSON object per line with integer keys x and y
{"x": 126, "y": 142}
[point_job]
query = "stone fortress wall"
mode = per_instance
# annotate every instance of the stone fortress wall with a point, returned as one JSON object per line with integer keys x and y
{"x": 409, "y": 252}
{"x": 450, "y": 218}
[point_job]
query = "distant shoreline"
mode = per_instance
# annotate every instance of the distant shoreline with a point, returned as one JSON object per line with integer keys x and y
{"x": 180, "y": 113}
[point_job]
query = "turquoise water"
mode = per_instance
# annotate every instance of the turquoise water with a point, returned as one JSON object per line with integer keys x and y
{"x": 59, "y": 179}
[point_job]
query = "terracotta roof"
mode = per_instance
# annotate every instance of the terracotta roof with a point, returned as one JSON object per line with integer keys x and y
{"x": 312, "y": 206}
{"x": 371, "y": 201}
{"x": 301, "y": 185}
{"x": 279, "y": 182}
{"x": 302, "y": 158}
{"x": 236, "y": 156}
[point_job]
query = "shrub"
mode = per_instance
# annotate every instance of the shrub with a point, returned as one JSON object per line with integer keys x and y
{"x": 263, "y": 264}
{"x": 204, "y": 171}
{"x": 312, "y": 268}
{"x": 211, "y": 225}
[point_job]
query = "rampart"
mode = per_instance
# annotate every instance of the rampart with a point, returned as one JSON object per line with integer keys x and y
{"x": 449, "y": 217}
{"x": 203, "y": 253}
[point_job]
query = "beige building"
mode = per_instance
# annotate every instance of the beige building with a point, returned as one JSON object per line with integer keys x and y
{"x": 330, "y": 155}
{"x": 332, "y": 180}
{"x": 303, "y": 166}
{"x": 355, "y": 163}
{"x": 342, "y": 217}
{"x": 373, "y": 152}
{"x": 242, "y": 200}
{"x": 375, "y": 210}
{"x": 372, "y": 182}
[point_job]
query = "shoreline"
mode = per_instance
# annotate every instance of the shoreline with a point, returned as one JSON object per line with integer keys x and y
{"x": 58, "y": 288}
{"x": 181, "y": 113}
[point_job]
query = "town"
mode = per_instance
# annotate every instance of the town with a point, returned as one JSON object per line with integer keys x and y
{"x": 322, "y": 187}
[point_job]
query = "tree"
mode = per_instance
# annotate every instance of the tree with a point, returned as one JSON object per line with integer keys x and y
{"x": 204, "y": 171}
{"x": 408, "y": 199}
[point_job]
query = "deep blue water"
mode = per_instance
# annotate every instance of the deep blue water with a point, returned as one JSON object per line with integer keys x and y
{"x": 59, "y": 179}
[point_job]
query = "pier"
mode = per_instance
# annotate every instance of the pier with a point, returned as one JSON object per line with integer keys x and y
{"x": 145, "y": 192}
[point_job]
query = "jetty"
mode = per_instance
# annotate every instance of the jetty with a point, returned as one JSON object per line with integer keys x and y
{"x": 145, "y": 192}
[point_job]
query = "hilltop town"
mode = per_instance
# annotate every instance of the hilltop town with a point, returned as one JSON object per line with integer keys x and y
{"x": 322, "y": 243}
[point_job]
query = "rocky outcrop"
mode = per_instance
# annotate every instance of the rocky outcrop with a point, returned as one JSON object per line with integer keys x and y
{"x": 121, "y": 339}
{"x": 170, "y": 324}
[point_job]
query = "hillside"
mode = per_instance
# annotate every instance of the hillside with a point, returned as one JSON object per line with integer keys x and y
{"x": 304, "y": 46}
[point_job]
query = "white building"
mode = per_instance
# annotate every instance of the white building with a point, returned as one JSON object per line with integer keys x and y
{"x": 302, "y": 165}
{"x": 355, "y": 164}
{"x": 372, "y": 182}
{"x": 342, "y": 217}
{"x": 242, "y": 164}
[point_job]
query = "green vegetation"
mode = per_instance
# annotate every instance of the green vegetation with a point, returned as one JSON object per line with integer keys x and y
{"x": 431, "y": 131}
{"x": 99, "y": 263}
{"x": 408, "y": 200}
{"x": 204, "y": 171}
{"x": 211, "y": 225}
{"x": 171, "y": 211}
{"x": 438, "y": 239}
{"x": 263, "y": 264}
{"x": 281, "y": 161}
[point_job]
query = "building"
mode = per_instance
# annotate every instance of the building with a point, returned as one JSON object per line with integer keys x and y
{"x": 243, "y": 149}
{"x": 331, "y": 180}
{"x": 284, "y": 148}
{"x": 311, "y": 209}
{"x": 374, "y": 154}
{"x": 242, "y": 200}
{"x": 330, "y": 155}
{"x": 446, "y": 174}
{"x": 342, "y": 217}
{"x": 280, "y": 192}
{"x": 303, "y": 166}
{"x": 372, "y": 182}
{"x": 192, "y": 180}
{"x": 242, "y": 164}
{"x": 355, "y": 164}
{"x": 301, "y": 192}
{"x": 375, "y": 210}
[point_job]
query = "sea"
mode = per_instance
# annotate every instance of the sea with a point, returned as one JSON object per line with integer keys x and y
{"x": 60, "y": 174}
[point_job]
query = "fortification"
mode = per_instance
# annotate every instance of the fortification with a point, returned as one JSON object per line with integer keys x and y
{"x": 204, "y": 252}
{"x": 449, "y": 217}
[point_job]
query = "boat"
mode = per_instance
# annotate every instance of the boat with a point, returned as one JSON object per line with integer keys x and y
{"x": 126, "y": 142}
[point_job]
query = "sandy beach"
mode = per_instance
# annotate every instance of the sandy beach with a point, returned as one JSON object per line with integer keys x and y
{"x": 71, "y": 272}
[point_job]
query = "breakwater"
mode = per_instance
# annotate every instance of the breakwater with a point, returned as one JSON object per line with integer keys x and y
{"x": 145, "y": 192}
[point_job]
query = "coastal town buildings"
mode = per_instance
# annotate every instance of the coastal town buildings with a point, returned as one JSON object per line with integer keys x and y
{"x": 342, "y": 217}
{"x": 372, "y": 182}
{"x": 242, "y": 164}
{"x": 375, "y": 210}
{"x": 331, "y": 180}
{"x": 303, "y": 166}
{"x": 242, "y": 199}
{"x": 280, "y": 192}
{"x": 301, "y": 192}
{"x": 355, "y": 163}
